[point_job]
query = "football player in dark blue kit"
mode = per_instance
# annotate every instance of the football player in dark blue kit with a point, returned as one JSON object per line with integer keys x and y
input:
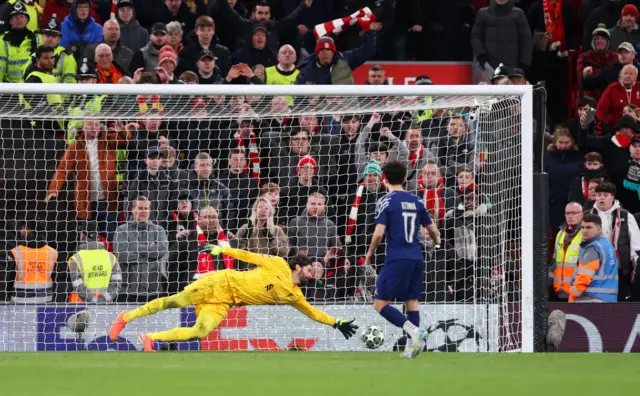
{"x": 400, "y": 217}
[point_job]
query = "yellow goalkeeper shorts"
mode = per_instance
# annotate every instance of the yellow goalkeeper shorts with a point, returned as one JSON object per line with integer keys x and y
{"x": 210, "y": 289}
{"x": 217, "y": 312}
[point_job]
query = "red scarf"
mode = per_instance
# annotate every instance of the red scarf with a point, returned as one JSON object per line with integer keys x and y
{"x": 413, "y": 157}
{"x": 472, "y": 186}
{"x": 585, "y": 187}
{"x": 555, "y": 27}
{"x": 624, "y": 140}
{"x": 353, "y": 214}
{"x": 254, "y": 156}
{"x": 432, "y": 197}
{"x": 205, "y": 260}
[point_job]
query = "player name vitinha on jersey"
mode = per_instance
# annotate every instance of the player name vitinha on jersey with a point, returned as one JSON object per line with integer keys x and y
{"x": 403, "y": 214}
{"x": 409, "y": 206}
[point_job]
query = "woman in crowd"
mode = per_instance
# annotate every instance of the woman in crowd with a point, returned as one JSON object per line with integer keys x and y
{"x": 261, "y": 234}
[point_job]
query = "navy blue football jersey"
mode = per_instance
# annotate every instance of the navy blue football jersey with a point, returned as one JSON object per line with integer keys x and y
{"x": 402, "y": 213}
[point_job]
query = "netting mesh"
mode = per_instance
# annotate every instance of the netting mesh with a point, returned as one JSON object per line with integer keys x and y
{"x": 154, "y": 178}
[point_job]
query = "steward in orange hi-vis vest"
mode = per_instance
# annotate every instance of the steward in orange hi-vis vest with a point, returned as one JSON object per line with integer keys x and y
{"x": 33, "y": 261}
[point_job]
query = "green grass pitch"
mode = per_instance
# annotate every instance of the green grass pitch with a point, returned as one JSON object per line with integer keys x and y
{"x": 316, "y": 373}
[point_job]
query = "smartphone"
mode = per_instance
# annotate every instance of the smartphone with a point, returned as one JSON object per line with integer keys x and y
{"x": 591, "y": 115}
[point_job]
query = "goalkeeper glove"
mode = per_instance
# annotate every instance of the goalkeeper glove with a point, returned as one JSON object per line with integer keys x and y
{"x": 213, "y": 250}
{"x": 346, "y": 327}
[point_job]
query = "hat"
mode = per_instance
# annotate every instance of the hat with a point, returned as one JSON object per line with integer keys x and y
{"x": 423, "y": 80}
{"x": 629, "y": 9}
{"x": 635, "y": 139}
{"x": 89, "y": 229}
{"x": 53, "y": 26}
{"x": 307, "y": 159}
{"x": 260, "y": 28}
{"x": 627, "y": 47}
{"x": 627, "y": 121}
{"x": 326, "y": 43}
{"x": 516, "y": 72}
{"x": 185, "y": 196}
{"x": 159, "y": 27}
{"x": 205, "y": 53}
{"x": 371, "y": 167}
{"x": 86, "y": 70}
{"x": 601, "y": 30}
{"x": 499, "y": 72}
{"x": 167, "y": 53}
{"x": 125, "y": 3}
{"x": 154, "y": 150}
{"x": 19, "y": 9}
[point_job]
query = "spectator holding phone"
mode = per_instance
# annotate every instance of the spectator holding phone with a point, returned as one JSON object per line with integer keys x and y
{"x": 584, "y": 124}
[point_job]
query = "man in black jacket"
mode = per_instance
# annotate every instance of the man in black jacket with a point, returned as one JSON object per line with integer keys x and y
{"x": 242, "y": 187}
{"x": 205, "y": 32}
{"x": 261, "y": 15}
{"x": 257, "y": 51}
{"x": 155, "y": 183}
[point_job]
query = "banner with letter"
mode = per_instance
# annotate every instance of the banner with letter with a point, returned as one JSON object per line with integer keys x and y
{"x": 405, "y": 73}
{"x": 451, "y": 327}
{"x": 601, "y": 327}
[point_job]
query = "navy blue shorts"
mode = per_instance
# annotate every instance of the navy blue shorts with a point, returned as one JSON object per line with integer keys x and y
{"x": 400, "y": 280}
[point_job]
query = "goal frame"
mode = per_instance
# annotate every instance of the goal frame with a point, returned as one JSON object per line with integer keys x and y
{"x": 524, "y": 92}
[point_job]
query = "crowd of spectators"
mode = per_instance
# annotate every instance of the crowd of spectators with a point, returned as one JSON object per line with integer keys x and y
{"x": 153, "y": 191}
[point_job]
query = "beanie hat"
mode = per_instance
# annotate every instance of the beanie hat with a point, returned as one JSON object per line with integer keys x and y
{"x": 601, "y": 30}
{"x": 371, "y": 167}
{"x": 629, "y": 9}
{"x": 167, "y": 53}
{"x": 326, "y": 43}
{"x": 307, "y": 159}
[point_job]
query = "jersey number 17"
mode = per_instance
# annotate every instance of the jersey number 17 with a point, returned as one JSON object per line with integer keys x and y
{"x": 409, "y": 225}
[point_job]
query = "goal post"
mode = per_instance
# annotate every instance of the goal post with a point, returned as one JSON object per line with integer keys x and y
{"x": 270, "y": 157}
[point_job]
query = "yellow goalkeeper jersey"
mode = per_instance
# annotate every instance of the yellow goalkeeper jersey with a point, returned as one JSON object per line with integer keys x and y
{"x": 270, "y": 283}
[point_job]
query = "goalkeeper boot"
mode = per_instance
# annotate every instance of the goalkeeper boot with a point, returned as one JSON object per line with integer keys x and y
{"x": 147, "y": 342}
{"x": 117, "y": 326}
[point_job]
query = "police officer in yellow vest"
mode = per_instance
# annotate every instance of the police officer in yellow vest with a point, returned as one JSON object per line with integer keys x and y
{"x": 66, "y": 67}
{"x": 94, "y": 272}
{"x": 82, "y": 105}
{"x": 42, "y": 73}
{"x": 17, "y": 45}
{"x": 33, "y": 9}
{"x": 33, "y": 262}
{"x": 418, "y": 116}
{"x": 285, "y": 72}
{"x": 567, "y": 250}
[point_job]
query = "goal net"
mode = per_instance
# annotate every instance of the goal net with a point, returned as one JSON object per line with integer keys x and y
{"x": 108, "y": 199}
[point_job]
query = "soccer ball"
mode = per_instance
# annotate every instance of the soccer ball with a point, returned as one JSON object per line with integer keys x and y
{"x": 372, "y": 337}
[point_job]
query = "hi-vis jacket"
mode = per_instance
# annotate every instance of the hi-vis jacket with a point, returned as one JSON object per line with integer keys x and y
{"x": 565, "y": 259}
{"x": 13, "y": 60}
{"x": 94, "y": 273}
{"x": 34, "y": 264}
{"x": 596, "y": 278}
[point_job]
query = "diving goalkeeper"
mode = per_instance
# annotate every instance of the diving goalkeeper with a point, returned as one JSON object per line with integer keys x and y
{"x": 274, "y": 282}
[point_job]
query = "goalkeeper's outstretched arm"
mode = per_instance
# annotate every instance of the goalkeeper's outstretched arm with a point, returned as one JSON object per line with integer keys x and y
{"x": 346, "y": 327}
